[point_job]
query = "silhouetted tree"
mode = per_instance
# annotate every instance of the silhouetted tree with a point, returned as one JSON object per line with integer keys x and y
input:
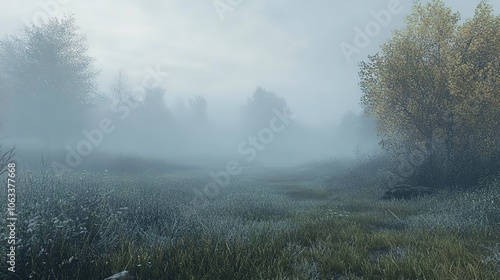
{"x": 154, "y": 103}
{"x": 121, "y": 91}
{"x": 260, "y": 108}
{"x": 152, "y": 121}
{"x": 198, "y": 109}
{"x": 52, "y": 77}
{"x": 179, "y": 109}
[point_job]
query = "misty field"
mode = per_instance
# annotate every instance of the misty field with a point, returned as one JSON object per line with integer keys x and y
{"x": 300, "y": 223}
{"x": 250, "y": 140}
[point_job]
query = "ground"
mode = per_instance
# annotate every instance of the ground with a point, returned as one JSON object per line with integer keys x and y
{"x": 288, "y": 223}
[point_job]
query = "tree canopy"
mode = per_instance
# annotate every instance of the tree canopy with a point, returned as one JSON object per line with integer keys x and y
{"x": 52, "y": 76}
{"x": 436, "y": 82}
{"x": 259, "y": 108}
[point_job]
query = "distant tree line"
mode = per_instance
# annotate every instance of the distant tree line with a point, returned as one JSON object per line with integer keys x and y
{"x": 49, "y": 80}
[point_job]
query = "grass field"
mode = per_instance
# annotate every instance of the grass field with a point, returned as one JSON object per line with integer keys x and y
{"x": 320, "y": 221}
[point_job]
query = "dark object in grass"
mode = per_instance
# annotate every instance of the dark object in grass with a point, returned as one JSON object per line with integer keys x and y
{"x": 407, "y": 192}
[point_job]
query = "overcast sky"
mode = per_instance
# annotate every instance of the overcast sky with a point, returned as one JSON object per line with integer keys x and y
{"x": 289, "y": 47}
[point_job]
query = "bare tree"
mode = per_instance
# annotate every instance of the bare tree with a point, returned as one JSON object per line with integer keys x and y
{"x": 121, "y": 90}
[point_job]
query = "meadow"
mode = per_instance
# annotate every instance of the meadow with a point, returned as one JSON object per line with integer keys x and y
{"x": 323, "y": 220}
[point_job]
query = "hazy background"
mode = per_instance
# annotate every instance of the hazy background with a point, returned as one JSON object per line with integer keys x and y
{"x": 288, "y": 48}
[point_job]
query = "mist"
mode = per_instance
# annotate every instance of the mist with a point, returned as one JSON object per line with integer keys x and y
{"x": 208, "y": 64}
{"x": 232, "y": 139}
{"x": 152, "y": 93}
{"x": 264, "y": 131}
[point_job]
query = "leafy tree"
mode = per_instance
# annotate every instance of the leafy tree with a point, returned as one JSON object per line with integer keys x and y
{"x": 52, "y": 77}
{"x": 152, "y": 121}
{"x": 475, "y": 83}
{"x": 260, "y": 108}
{"x": 436, "y": 83}
{"x": 154, "y": 103}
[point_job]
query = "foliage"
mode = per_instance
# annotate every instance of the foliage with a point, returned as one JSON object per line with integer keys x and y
{"x": 436, "y": 82}
{"x": 52, "y": 75}
{"x": 198, "y": 109}
{"x": 259, "y": 108}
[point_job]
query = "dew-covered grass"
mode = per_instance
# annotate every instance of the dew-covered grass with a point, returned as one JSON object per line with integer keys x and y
{"x": 302, "y": 223}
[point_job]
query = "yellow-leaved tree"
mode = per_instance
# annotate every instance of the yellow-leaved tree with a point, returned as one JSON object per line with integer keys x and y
{"x": 435, "y": 84}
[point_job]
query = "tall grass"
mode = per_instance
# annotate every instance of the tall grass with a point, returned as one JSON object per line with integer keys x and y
{"x": 300, "y": 225}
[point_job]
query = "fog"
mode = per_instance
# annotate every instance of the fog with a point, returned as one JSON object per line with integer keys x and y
{"x": 238, "y": 139}
{"x": 184, "y": 83}
{"x": 148, "y": 133}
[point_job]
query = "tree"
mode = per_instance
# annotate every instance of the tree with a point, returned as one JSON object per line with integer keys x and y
{"x": 198, "y": 109}
{"x": 152, "y": 121}
{"x": 475, "y": 83}
{"x": 259, "y": 108}
{"x": 154, "y": 103}
{"x": 436, "y": 83}
{"x": 52, "y": 77}
{"x": 121, "y": 91}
